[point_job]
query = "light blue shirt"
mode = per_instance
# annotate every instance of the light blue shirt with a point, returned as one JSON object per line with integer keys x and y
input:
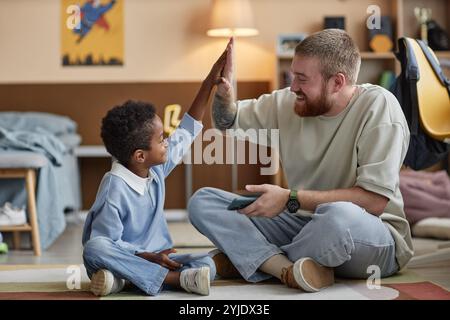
{"x": 129, "y": 209}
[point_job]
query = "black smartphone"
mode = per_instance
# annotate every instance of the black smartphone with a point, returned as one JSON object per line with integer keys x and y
{"x": 242, "y": 202}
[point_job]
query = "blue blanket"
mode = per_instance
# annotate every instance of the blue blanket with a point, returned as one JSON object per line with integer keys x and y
{"x": 39, "y": 141}
{"x": 50, "y": 206}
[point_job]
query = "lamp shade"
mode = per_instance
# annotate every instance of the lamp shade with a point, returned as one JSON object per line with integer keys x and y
{"x": 231, "y": 18}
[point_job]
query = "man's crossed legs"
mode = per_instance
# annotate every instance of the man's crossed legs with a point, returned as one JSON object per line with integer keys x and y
{"x": 340, "y": 238}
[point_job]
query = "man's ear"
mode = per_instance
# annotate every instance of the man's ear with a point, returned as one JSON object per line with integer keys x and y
{"x": 339, "y": 82}
{"x": 139, "y": 156}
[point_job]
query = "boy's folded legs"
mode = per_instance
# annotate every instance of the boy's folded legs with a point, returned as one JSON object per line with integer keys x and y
{"x": 103, "y": 258}
{"x": 193, "y": 280}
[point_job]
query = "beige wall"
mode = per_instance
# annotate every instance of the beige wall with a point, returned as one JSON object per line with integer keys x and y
{"x": 164, "y": 39}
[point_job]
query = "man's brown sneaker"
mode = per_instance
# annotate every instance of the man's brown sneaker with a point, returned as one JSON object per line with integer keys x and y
{"x": 308, "y": 275}
{"x": 224, "y": 268}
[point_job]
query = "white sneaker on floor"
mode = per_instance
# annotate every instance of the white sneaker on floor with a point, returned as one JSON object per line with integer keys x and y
{"x": 103, "y": 283}
{"x": 196, "y": 280}
{"x": 11, "y": 216}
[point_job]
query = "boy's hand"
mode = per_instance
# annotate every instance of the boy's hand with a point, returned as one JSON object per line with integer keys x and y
{"x": 161, "y": 258}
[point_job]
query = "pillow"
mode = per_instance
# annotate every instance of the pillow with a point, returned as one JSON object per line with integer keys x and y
{"x": 37, "y": 121}
{"x": 432, "y": 228}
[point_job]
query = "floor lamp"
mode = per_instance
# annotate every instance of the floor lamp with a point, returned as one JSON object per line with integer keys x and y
{"x": 232, "y": 18}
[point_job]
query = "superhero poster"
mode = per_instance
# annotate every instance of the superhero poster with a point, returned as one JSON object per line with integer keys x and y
{"x": 92, "y": 33}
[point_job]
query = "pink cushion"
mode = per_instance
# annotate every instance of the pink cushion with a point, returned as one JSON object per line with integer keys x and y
{"x": 425, "y": 194}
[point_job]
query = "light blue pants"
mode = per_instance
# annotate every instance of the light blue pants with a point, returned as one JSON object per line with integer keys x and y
{"x": 341, "y": 235}
{"x": 103, "y": 253}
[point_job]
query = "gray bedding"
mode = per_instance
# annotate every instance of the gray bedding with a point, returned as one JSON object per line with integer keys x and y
{"x": 58, "y": 182}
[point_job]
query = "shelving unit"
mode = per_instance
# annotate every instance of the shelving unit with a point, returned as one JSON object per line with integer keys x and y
{"x": 29, "y": 175}
{"x": 404, "y": 24}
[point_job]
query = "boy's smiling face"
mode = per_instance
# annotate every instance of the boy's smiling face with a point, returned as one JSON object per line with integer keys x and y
{"x": 142, "y": 159}
{"x": 158, "y": 145}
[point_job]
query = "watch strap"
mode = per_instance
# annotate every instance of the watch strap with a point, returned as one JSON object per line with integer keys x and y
{"x": 293, "y": 195}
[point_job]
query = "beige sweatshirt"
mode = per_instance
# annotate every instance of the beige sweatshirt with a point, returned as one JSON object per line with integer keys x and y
{"x": 362, "y": 146}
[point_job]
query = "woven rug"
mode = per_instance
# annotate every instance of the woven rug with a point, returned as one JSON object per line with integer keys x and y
{"x": 63, "y": 282}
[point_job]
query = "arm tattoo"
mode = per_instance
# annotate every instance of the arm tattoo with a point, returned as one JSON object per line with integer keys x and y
{"x": 224, "y": 113}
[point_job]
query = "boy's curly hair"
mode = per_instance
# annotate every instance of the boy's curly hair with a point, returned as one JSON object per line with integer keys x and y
{"x": 126, "y": 128}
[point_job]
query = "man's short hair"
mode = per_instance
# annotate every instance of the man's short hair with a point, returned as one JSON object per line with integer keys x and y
{"x": 126, "y": 128}
{"x": 336, "y": 51}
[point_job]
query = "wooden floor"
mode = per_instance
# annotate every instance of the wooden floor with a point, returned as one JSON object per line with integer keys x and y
{"x": 68, "y": 250}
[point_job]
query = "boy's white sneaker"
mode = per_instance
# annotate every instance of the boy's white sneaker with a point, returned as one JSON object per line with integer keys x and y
{"x": 196, "y": 280}
{"x": 103, "y": 283}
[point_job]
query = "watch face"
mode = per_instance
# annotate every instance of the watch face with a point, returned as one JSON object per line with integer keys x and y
{"x": 293, "y": 205}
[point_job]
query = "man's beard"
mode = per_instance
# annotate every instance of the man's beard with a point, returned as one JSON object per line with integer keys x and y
{"x": 313, "y": 108}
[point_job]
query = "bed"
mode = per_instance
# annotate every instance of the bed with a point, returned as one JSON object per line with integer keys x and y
{"x": 58, "y": 183}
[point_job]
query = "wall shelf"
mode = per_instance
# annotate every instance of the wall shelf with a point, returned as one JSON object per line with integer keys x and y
{"x": 22, "y": 227}
{"x": 364, "y": 55}
{"x": 443, "y": 54}
{"x": 377, "y": 55}
{"x": 91, "y": 151}
{"x": 404, "y": 23}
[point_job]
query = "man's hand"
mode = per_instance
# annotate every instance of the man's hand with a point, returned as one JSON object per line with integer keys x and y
{"x": 224, "y": 83}
{"x": 197, "y": 109}
{"x": 270, "y": 204}
{"x": 224, "y": 110}
{"x": 161, "y": 258}
{"x": 220, "y": 68}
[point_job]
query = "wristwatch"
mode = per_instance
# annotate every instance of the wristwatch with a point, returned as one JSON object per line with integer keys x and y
{"x": 293, "y": 204}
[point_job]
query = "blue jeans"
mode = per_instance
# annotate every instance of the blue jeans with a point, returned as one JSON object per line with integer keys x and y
{"x": 103, "y": 253}
{"x": 341, "y": 235}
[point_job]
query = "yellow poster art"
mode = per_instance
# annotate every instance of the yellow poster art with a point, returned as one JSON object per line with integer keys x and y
{"x": 92, "y": 33}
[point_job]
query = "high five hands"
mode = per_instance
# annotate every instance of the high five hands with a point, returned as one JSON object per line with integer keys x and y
{"x": 221, "y": 73}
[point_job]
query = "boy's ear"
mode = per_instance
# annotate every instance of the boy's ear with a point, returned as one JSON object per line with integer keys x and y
{"x": 139, "y": 156}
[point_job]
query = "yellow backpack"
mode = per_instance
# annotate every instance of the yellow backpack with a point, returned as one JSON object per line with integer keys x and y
{"x": 424, "y": 94}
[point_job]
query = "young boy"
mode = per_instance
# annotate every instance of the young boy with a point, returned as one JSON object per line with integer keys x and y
{"x": 125, "y": 236}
